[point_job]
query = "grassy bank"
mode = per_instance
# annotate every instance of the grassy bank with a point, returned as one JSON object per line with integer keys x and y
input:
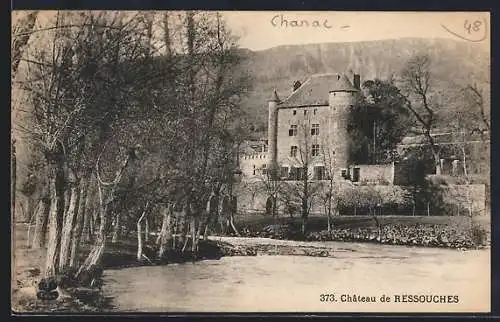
{"x": 430, "y": 231}
{"x": 25, "y": 275}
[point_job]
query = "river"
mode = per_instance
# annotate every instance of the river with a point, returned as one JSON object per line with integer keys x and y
{"x": 268, "y": 283}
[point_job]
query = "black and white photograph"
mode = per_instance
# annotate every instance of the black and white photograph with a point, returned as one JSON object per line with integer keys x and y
{"x": 250, "y": 161}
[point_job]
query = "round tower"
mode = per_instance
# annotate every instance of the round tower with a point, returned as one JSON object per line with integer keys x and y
{"x": 341, "y": 98}
{"x": 272, "y": 134}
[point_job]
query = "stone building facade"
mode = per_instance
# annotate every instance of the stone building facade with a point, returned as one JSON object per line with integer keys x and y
{"x": 307, "y": 129}
{"x": 311, "y": 125}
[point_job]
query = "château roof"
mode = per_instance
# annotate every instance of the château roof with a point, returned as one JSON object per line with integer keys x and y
{"x": 314, "y": 91}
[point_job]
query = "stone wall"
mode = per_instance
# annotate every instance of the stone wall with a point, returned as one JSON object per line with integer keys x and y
{"x": 374, "y": 174}
{"x": 252, "y": 196}
{"x": 249, "y": 162}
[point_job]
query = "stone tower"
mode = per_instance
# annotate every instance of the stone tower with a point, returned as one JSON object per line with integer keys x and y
{"x": 272, "y": 131}
{"x": 341, "y": 98}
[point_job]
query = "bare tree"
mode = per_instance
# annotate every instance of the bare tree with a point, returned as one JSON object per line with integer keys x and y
{"x": 330, "y": 187}
{"x": 417, "y": 84}
{"x": 475, "y": 96}
{"x": 273, "y": 188}
{"x": 303, "y": 189}
{"x": 23, "y": 24}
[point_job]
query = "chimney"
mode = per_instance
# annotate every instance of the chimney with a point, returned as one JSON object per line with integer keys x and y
{"x": 356, "y": 81}
{"x": 296, "y": 85}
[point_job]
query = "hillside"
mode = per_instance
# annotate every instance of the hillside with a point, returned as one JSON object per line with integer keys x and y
{"x": 455, "y": 63}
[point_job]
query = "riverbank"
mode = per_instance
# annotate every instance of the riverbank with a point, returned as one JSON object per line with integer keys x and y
{"x": 439, "y": 231}
{"x": 25, "y": 276}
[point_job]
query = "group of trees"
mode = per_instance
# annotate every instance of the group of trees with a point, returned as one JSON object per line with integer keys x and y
{"x": 132, "y": 116}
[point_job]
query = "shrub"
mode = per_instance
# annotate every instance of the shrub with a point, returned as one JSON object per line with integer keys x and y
{"x": 478, "y": 235}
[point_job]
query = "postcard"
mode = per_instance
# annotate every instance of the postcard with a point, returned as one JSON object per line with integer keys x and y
{"x": 250, "y": 161}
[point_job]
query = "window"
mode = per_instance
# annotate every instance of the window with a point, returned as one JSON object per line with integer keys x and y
{"x": 314, "y": 111}
{"x": 254, "y": 169}
{"x": 264, "y": 169}
{"x": 293, "y": 151}
{"x": 284, "y": 172}
{"x": 293, "y": 130}
{"x": 315, "y": 150}
{"x": 301, "y": 173}
{"x": 319, "y": 173}
{"x": 294, "y": 112}
{"x": 305, "y": 112}
{"x": 343, "y": 173}
{"x": 355, "y": 174}
{"x": 315, "y": 129}
{"x": 264, "y": 148}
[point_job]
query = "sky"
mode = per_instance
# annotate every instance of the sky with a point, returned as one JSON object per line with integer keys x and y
{"x": 260, "y": 30}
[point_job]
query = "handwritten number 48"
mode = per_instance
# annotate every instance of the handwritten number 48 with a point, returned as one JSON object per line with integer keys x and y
{"x": 475, "y": 26}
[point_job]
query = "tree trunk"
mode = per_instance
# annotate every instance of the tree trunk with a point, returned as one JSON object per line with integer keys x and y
{"x": 116, "y": 228}
{"x": 146, "y": 230}
{"x": 139, "y": 232}
{"x": 67, "y": 198}
{"x": 186, "y": 237}
{"x": 329, "y": 221}
{"x": 86, "y": 225}
{"x": 195, "y": 223}
{"x": 68, "y": 226}
{"x": 205, "y": 231}
{"x": 304, "y": 214}
{"x": 28, "y": 238}
{"x": 181, "y": 228}
{"x": 29, "y": 208}
{"x": 80, "y": 217}
{"x": 231, "y": 222}
{"x": 87, "y": 216}
{"x": 193, "y": 234}
{"x": 437, "y": 163}
{"x": 41, "y": 217}
{"x": 139, "y": 238}
{"x": 92, "y": 221}
{"x": 198, "y": 233}
{"x": 166, "y": 230}
{"x": 54, "y": 221}
{"x": 174, "y": 231}
{"x": 97, "y": 250}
